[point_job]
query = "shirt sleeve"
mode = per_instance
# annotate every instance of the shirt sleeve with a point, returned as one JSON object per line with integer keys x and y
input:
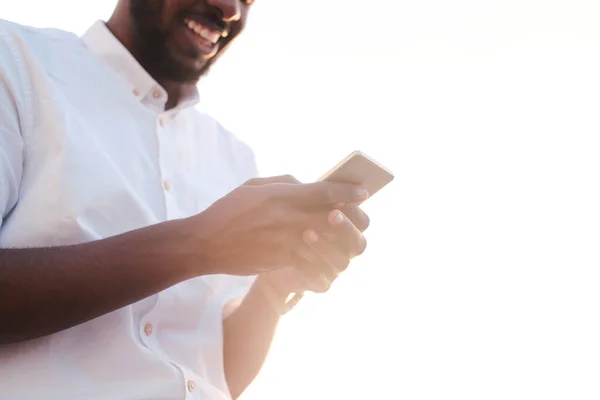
{"x": 11, "y": 142}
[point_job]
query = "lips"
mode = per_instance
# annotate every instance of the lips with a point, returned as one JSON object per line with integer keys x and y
{"x": 202, "y": 31}
{"x": 203, "y": 38}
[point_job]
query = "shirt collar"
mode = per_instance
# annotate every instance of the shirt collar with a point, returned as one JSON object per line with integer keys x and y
{"x": 104, "y": 45}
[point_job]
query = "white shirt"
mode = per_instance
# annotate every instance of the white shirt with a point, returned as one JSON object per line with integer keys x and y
{"x": 86, "y": 152}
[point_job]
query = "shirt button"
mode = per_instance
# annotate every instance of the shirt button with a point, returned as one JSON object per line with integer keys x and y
{"x": 136, "y": 92}
{"x": 156, "y": 94}
{"x": 161, "y": 122}
{"x": 148, "y": 329}
{"x": 191, "y": 385}
{"x": 166, "y": 185}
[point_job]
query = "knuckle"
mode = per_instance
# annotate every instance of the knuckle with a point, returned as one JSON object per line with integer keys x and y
{"x": 347, "y": 229}
{"x": 343, "y": 265}
{"x": 366, "y": 222}
{"x": 247, "y": 196}
{"x": 323, "y": 192}
{"x": 261, "y": 200}
{"x": 251, "y": 182}
{"x": 288, "y": 178}
{"x": 324, "y": 284}
{"x": 330, "y": 194}
{"x": 351, "y": 210}
{"x": 271, "y": 193}
{"x": 361, "y": 246}
{"x": 351, "y": 192}
{"x": 276, "y": 212}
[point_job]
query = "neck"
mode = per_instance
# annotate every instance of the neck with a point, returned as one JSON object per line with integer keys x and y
{"x": 121, "y": 29}
{"x": 175, "y": 92}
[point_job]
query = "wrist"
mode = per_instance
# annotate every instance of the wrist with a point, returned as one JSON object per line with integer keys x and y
{"x": 275, "y": 297}
{"x": 200, "y": 248}
{"x": 181, "y": 238}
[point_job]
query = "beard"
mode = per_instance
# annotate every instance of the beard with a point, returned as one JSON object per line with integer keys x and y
{"x": 151, "y": 39}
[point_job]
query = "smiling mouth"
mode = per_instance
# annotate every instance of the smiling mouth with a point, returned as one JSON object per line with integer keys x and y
{"x": 206, "y": 39}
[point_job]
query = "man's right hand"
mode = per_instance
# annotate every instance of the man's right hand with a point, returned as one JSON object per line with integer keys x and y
{"x": 258, "y": 227}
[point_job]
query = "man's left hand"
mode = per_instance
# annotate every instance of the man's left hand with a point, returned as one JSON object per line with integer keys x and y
{"x": 326, "y": 254}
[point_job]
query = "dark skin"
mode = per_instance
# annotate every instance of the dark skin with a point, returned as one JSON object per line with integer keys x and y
{"x": 270, "y": 223}
{"x": 154, "y": 31}
{"x": 46, "y": 290}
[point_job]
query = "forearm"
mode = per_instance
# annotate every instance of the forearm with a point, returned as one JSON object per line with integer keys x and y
{"x": 248, "y": 334}
{"x": 46, "y": 290}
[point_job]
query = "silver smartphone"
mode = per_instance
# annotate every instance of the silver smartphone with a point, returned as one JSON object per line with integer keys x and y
{"x": 360, "y": 169}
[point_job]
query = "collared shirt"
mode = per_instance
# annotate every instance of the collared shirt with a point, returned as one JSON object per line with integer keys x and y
{"x": 88, "y": 151}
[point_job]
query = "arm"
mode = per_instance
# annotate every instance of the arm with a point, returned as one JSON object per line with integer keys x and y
{"x": 248, "y": 334}
{"x": 46, "y": 290}
{"x": 249, "y": 331}
{"x": 43, "y": 291}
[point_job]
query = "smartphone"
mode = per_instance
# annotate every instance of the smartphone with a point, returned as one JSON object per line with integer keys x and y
{"x": 357, "y": 169}
{"x": 360, "y": 169}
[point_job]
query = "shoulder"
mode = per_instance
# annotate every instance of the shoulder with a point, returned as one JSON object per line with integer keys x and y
{"x": 25, "y": 44}
{"x": 23, "y": 34}
{"x": 27, "y": 53}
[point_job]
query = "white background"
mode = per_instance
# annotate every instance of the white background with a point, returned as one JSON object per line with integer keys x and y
{"x": 481, "y": 279}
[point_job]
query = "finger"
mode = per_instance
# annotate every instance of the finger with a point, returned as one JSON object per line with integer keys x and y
{"x": 289, "y": 179}
{"x": 322, "y": 193}
{"x": 296, "y": 220}
{"x": 316, "y": 275}
{"x": 334, "y": 261}
{"x": 319, "y": 263}
{"x": 319, "y": 220}
{"x": 344, "y": 234}
{"x": 318, "y": 284}
{"x": 313, "y": 280}
{"x": 357, "y": 216}
{"x": 313, "y": 263}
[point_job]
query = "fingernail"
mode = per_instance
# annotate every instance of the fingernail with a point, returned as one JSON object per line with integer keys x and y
{"x": 312, "y": 236}
{"x": 337, "y": 218}
{"x": 363, "y": 194}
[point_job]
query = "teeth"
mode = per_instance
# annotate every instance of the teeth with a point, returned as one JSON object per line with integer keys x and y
{"x": 211, "y": 36}
{"x": 202, "y": 31}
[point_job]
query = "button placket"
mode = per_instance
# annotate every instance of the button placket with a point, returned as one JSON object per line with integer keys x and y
{"x": 167, "y": 164}
{"x": 163, "y": 150}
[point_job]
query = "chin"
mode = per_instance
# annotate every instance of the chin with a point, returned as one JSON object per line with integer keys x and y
{"x": 178, "y": 68}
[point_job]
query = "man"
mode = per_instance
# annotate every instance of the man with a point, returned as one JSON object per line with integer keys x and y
{"x": 140, "y": 257}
